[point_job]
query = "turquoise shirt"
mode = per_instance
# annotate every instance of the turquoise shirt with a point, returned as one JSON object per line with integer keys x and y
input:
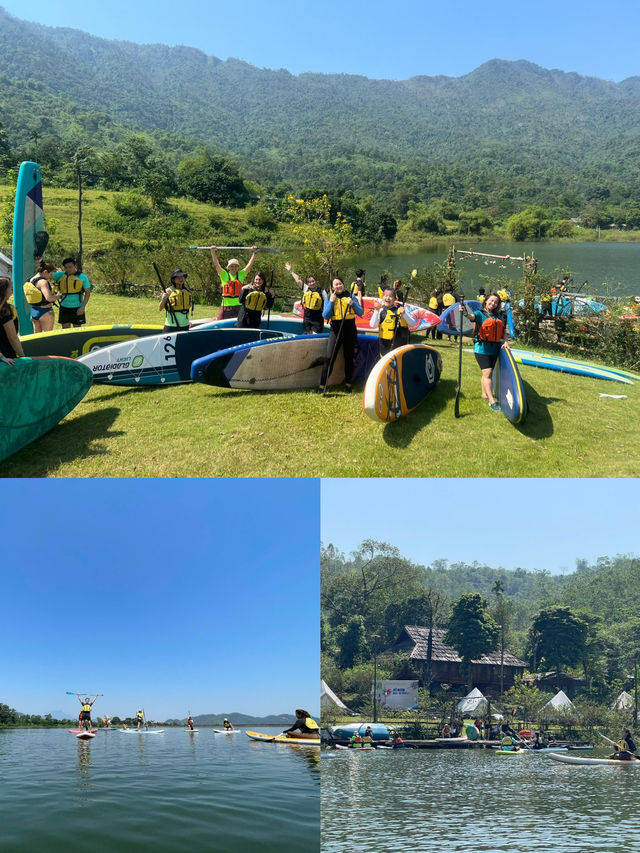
{"x": 73, "y": 300}
{"x": 484, "y": 347}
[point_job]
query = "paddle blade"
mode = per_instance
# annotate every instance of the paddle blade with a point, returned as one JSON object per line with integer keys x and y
{"x": 41, "y": 240}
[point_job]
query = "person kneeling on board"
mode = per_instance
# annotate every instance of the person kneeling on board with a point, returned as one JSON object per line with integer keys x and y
{"x": 227, "y": 725}
{"x": 75, "y": 292}
{"x": 393, "y": 331}
{"x": 340, "y": 309}
{"x": 177, "y": 301}
{"x": 254, "y": 298}
{"x": 312, "y": 302}
{"x": 305, "y": 726}
{"x": 10, "y": 346}
{"x": 85, "y": 713}
{"x": 491, "y": 334}
{"x": 626, "y": 748}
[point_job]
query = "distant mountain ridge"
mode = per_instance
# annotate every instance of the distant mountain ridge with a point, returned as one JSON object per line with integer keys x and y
{"x": 503, "y": 115}
{"x": 238, "y": 719}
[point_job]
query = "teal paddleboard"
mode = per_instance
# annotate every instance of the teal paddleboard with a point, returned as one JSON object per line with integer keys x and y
{"x": 29, "y": 237}
{"x": 35, "y": 394}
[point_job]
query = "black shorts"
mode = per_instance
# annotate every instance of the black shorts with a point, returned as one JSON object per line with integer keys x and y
{"x": 70, "y": 315}
{"x": 486, "y": 361}
{"x": 85, "y": 715}
{"x": 313, "y": 327}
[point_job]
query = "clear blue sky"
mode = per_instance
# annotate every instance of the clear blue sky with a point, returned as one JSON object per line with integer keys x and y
{"x": 538, "y": 524}
{"x": 376, "y": 38}
{"x": 169, "y": 595}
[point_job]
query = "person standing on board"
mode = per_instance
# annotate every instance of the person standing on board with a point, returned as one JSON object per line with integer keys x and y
{"x": 85, "y": 713}
{"x": 10, "y": 346}
{"x": 190, "y": 722}
{"x": 491, "y": 335}
{"x": 254, "y": 298}
{"x": 305, "y": 726}
{"x": 232, "y": 279}
{"x": 340, "y": 309}
{"x": 75, "y": 292}
{"x": 312, "y": 302}
{"x": 177, "y": 302}
{"x": 140, "y": 718}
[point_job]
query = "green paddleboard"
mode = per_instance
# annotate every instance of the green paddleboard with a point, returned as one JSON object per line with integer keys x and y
{"x": 73, "y": 343}
{"x": 35, "y": 394}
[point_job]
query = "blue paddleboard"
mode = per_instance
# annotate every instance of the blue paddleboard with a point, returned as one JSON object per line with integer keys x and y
{"x": 278, "y": 322}
{"x": 450, "y": 319}
{"x": 508, "y": 388}
{"x": 28, "y": 226}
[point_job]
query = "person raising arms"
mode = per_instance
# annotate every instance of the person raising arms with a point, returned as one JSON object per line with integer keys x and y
{"x": 232, "y": 279}
{"x": 312, "y": 302}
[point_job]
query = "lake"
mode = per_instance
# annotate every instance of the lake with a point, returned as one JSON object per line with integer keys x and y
{"x": 472, "y": 801}
{"x": 163, "y": 793}
{"x": 611, "y": 269}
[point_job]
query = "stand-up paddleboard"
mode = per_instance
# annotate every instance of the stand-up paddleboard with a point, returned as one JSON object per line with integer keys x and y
{"x": 35, "y": 394}
{"x": 418, "y": 318}
{"x": 400, "y": 381}
{"x": 141, "y": 731}
{"x": 72, "y": 343}
{"x": 85, "y": 735}
{"x": 357, "y": 748}
{"x": 278, "y": 322}
{"x": 603, "y": 762}
{"x": 289, "y": 364}
{"x": 568, "y": 365}
{"x": 226, "y": 731}
{"x": 83, "y": 731}
{"x": 293, "y": 741}
{"x": 191, "y": 731}
{"x": 28, "y": 228}
{"x": 508, "y": 388}
{"x": 450, "y": 319}
{"x": 163, "y": 359}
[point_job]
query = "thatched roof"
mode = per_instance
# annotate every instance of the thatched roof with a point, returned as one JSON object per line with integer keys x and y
{"x": 441, "y": 652}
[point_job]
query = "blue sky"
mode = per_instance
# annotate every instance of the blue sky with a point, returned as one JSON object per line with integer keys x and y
{"x": 171, "y": 595}
{"x": 375, "y": 38}
{"x": 538, "y": 524}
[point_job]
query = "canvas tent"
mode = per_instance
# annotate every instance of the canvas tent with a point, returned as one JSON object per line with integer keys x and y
{"x": 560, "y": 704}
{"x": 624, "y": 702}
{"x": 329, "y": 701}
{"x": 474, "y": 703}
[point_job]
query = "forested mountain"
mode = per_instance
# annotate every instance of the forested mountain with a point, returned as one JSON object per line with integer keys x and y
{"x": 508, "y": 131}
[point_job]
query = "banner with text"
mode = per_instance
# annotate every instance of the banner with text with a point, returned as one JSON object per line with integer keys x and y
{"x": 397, "y": 695}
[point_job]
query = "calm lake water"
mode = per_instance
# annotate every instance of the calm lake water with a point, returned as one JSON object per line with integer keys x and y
{"x": 609, "y": 268}
{"x": 161, "y": 793}
{"x": 472, "y": 801}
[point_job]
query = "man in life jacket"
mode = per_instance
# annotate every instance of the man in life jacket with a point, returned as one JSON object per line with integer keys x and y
{"x": 312, "y": 302}
{"x": 190, "y": 722}
{"x": 232, "y": 279}
{"x": 84, "y": 720}
{"x": 140, "y": 718}
{"x": 177, "y": 301}
{"x": 340, "y": 309}
{"x": 75, "y": 291}
{"x": 390, "y": 319}
{"x": 304, "y": 727}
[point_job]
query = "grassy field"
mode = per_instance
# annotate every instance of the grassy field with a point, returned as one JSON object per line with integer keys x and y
{"x": 195, "y": 430}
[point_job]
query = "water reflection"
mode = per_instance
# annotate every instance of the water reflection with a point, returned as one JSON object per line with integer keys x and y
{"x": 83, "y": 777}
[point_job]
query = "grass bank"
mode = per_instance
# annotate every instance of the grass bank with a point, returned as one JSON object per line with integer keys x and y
{"x": 198, "y": 431}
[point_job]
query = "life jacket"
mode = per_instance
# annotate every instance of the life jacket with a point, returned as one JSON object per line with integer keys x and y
{"x": 70, "y": 284}
{"x": 389, "y": 323}
{"x": 180, "y": 300}
{"x": 356, "y": 289}
{"x": 433, "y": 304}
{"x": 312, "y": 300}
{"x": 232, "y": 288}
{"x": 448, "y": 299}
{"x": 255, "y": 300}
{"x": 86, "y": 708}
{"x": 341, "y": 309}
{"x": 311, "y": 724}
{"x": 491, "y": 330}
{"x": 33, "y": 294}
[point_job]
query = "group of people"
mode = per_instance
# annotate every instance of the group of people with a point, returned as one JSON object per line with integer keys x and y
{"x": 365, "y": 741}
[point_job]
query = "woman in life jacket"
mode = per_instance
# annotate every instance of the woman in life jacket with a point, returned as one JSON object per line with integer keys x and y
{"x": 393, "y": 331}
{"x": 625, "y": 748}
{"x": 10, "y": 346}
{"x": 436, "y": 304}
{"x": 304, "y": 727}
{"x": 312, "y": 302}
{"x": 340, "y": 310}
{"x": 41, "y": 298}
{"x": 177, "y": 302}
{"x": 491, "y": 334}
{"x": 227, "y": 725}
{"x": 254, "y": 299}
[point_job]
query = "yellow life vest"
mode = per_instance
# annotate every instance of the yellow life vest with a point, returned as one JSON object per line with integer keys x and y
{"x": 433, "y": 303}
{"x": 180, "y": 300}
{"x": 33, "y": 294}
{"x": 341, "y": 309}
{"x": 388, "y": 324}
{"x": 70, "y": 284}
{"x": 255, "y": 300}
{"x": 310, "y": 723}
{"x": 448, "y": 299}
{"x": 312, "y": 300}
{"x": 86, "y": 707}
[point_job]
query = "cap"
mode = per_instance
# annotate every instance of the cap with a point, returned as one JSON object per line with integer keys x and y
{"x": 176, "y": 273}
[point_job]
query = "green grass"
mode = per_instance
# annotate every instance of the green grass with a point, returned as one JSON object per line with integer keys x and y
{"x": 199, "y": 431}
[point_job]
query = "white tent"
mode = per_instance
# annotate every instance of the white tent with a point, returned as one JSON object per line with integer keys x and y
{"x": 559, "y": 703}
{"x": 5, "y": 265}
{"x": 624, "y": 702}
{"x": 473, "y": 703}
{"x": 328, "y": 699}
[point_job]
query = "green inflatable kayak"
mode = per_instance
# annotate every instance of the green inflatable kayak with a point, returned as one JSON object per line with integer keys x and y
{"x": 35, "y": 394}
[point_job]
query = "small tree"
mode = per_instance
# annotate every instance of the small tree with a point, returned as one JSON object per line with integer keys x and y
{"x": 472, "y": 631}
{"x": 326, "y": 243}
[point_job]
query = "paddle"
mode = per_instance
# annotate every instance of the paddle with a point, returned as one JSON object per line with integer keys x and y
{"x": 269, "y": 309}
{"x": 244, "y": 248}
{"x": 617, "y": 745}
{"x": 41, "y": 240}
{"x": 457, "y": 403}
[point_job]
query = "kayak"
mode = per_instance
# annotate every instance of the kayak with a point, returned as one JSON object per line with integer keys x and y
{"x": 577, "y": 759}
{"x": 296, "y": 741}
{"x": 142, "y": 731}
{"x": 226, "y": 731}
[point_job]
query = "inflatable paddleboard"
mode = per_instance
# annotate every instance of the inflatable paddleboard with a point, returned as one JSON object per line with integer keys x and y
{"x": 578, "y": 759}
{"x": 289, "y": 364}
{"x": 565, "y": 365}
{"x": 278, "y": 322}
{"x": 191, "y": 731}
{"x": 358, "y": 748}
{"x": 226, "y": 731}
{"x": 400, "y": 381}
{"x": 508, "y": 388}
{"x": 293, "y": 741}
{"x": 418, "y": 318}
{"x": 83, "y": 731}
{"x": 28, "y": 231}
{"x": 72, "y": 343}
{"x": 141, "y": 731}
{"x": 163, "y": 359}
{"x": 517, "y": 751}
{"x": 35, "y": 394}
{"x": 85, "y": 736}
{"x": 450, "y": 319}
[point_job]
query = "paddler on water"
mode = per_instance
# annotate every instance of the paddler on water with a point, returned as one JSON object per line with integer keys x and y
{"x": 85, "y": 713}
{"x": 140, "y": 718}
{"x": 312, "y": 302}
{"x": 254, "y": 299}
{"x": 625, "y": 748}
{"x": 227, "y": 725}
{"x": 491, "y": 335}
{"x": 190, "y": 722}
{"x": 356, "y": 741}
{"x": 232, "y": 279}
{"x": 177, "y": 301}
{"x": 305, "y": 726}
